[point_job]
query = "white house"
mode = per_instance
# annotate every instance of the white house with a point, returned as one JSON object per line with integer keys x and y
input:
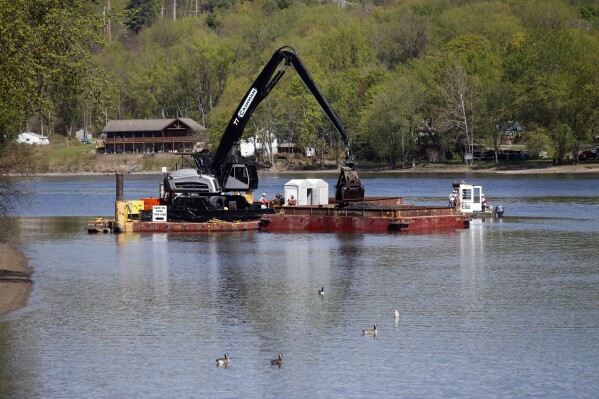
{"x": 32, "y": 138}
{"x": 249, "y": 147}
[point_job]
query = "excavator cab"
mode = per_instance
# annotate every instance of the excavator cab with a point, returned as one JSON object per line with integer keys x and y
{"x": 349, "y": 186}
{"x": 241, "y": 177}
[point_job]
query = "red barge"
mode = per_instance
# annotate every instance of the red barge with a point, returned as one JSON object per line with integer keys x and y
{"x": 374, "y": 215}
{"x": 367, "y": 214}
{"x": 383, "y": 218}
{"x": 217, "y": 226}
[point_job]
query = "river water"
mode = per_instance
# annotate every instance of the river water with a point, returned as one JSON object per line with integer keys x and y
{"x": 507, "y": 308}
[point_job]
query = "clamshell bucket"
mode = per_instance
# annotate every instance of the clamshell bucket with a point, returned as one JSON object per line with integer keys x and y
{"x": 349, "y": 186}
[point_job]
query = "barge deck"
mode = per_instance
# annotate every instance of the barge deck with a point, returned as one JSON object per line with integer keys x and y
{"x": 400, "y": 218}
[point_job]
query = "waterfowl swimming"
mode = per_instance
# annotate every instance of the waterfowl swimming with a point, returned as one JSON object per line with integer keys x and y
{"x": 321, "y": 291}
{"x": 223, "y": 361}
{"x": 370, "y": 331}
{"x": 396, "y": 314}
{"x": 278, "y": 361}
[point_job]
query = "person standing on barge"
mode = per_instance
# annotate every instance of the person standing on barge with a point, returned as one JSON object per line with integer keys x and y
{"x": 263, "y": 201}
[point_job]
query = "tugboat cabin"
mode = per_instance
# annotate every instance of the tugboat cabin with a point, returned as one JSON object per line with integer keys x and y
{"x": 469, "y": 197}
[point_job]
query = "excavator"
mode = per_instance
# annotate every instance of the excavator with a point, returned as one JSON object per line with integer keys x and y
{"x": 190, "y": 192}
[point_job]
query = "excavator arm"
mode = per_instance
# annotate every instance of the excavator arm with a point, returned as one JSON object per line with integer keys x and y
{"x": 348, "y": 185}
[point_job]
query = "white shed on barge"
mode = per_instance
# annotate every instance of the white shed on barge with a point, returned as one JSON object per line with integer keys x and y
{"x": 307, "y": 191}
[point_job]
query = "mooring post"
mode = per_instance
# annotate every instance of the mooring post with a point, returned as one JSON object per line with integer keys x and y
{"x": 119, "y": 205}
{"x": 119, "y": 187}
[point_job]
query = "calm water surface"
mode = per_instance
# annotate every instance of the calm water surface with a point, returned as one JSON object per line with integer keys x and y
{"x": 507, "y": 308}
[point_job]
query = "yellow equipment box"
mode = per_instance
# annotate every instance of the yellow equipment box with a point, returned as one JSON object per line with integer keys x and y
{"x": 134, "y": 207}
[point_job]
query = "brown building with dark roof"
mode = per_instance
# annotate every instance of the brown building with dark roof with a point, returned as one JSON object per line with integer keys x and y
{"x": 153, "y": 135}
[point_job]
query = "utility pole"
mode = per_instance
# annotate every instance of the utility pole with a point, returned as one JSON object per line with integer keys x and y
{"x": 174, "y": 10}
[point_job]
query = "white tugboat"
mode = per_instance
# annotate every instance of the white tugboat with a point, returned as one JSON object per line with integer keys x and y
{"x": 470, "y": 199}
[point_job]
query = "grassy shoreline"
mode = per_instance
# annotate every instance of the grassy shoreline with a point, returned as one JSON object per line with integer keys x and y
{"x": 70, "y": 157}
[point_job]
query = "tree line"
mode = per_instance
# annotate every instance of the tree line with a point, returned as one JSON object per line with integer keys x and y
{"x": 409, "y": 79}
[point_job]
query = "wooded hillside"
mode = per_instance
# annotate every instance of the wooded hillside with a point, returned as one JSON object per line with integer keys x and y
{"x": 409, "y": 79}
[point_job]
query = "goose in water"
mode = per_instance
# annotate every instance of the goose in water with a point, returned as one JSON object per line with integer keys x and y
{"x": 321, "y": 291}
{"x": 278, "y": 361}
{"x": 223, "y": 361}
{"x": 370, "y": 331}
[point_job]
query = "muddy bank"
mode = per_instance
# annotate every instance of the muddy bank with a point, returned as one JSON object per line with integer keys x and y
{"x": 15, "y": 279}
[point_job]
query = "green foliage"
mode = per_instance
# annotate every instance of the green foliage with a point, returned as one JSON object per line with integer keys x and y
{"x": 551, "y": 74}
{"x": 391, "y": 121}
{"x": 589, "y": 12}
{"x": 400, "y": 35}
{"x": 407, "y": 78}
{"x": 497, "y": 26}
{"x": 345, "y": 47}
{"x": 45, "y": 60}
{"x": 545, "y": 14}
{"x": 270, "y": 6}
{"x": 562, "y": 140}
{"x": 430, "y": 8}
{"x": 538, "y": 140}
{"x": 139, "y": 14}
{"x": 213, "y": 21}
{"x": 477, "y": 56}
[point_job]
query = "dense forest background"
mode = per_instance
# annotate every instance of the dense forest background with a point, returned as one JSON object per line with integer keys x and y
{"x": 409, "y": 79}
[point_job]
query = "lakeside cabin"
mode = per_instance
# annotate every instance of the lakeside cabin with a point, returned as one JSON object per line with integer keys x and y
{"x": 151, "y": 135}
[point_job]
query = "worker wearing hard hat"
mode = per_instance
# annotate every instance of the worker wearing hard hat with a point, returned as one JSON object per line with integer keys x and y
{"x": 263, "y": 201}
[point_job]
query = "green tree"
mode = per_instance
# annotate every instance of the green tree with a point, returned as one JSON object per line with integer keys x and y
{"x": 562, "y": 140}
{"x": 392, "y": 121}
{"x": 497, "y": 114}
{"x": 497, "y": 26}
{"x": 537, "y": 141}
{"x": 460, "y": 102}
{"x": 201, "y": 75}
{"x": 400, "y": 35}
{"x": 545, "y": 14}
{"x": 45, "y": 51}
{"x": 553, "y": 74}
{"x": 139, "y": 14}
